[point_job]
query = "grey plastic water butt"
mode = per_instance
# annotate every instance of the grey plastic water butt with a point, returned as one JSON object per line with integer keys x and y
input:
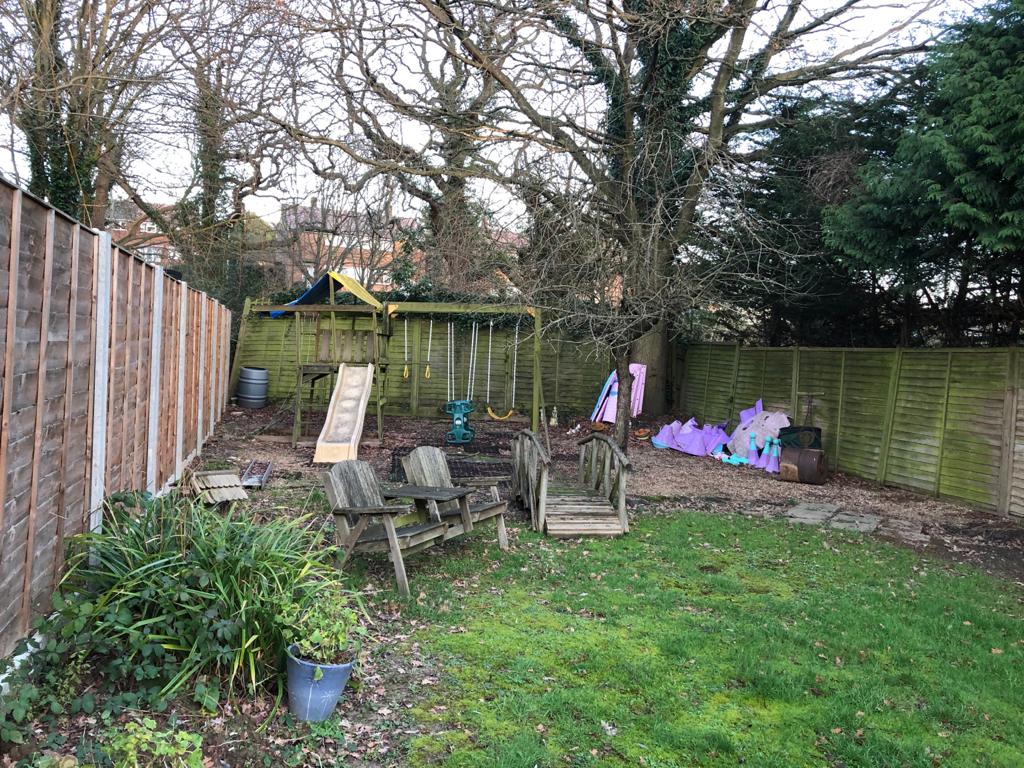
{"x": 252, "y": 387}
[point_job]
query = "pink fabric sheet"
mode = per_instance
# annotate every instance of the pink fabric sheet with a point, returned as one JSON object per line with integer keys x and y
{"x": 606, "y": 410}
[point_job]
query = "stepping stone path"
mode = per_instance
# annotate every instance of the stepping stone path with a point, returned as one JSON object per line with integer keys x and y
{"x": 832, "y": 515}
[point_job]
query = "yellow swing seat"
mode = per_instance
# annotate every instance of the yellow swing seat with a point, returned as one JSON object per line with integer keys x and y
{"x": 496, "y": 417}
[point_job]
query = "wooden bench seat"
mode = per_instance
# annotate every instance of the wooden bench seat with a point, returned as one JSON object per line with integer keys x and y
{"x": 356, "y": 500}
{"x": 428, "y": 466}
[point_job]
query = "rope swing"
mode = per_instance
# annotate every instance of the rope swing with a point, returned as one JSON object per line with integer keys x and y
{"x": 430, "y": 341}
{"x": 405, "y": 340}
{"x": 515, "y": 364}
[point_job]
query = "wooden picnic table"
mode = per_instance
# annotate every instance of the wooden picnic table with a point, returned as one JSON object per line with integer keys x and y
{"x": 423, "y": 495}
{"x": 425, "y": 492}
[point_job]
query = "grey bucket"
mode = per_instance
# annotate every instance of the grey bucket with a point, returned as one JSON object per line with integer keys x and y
{"x": 311, "y": 699}
{"x": 252, "y": 387}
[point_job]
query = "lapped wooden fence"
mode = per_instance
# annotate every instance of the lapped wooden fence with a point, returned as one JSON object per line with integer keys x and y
{"x": 112, "y": 375}
{"x": 572, "y": 374}
{"x": 945, "y": 421}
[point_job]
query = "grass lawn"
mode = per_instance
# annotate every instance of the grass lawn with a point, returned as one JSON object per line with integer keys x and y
{"x": 716, "y": 641}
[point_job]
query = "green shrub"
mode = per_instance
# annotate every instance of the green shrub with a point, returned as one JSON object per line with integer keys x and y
{"x": 174, "y": 585}
{"x": 138, "y": 745}
{"x": 171, "y": 594}
{"x": 326, "y": 630}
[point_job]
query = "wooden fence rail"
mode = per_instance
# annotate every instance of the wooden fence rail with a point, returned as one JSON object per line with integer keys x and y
{"x": 112, "y": 376}
{"x": 946, "y": 421}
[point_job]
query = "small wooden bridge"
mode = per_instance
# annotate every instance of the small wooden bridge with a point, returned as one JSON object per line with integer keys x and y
{"x": 594, "y": 506}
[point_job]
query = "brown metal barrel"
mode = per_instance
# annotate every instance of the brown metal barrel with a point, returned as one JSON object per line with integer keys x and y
{"x": 803, "y": 465}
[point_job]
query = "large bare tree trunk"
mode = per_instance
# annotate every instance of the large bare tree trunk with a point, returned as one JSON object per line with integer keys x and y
{"x": 624, "y": 399}
{"x": 655, "y": 351}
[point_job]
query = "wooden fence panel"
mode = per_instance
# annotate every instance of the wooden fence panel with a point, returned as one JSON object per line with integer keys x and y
{"x": 973, "y": 425}
{"x": 862, "y": 415}
{"x": 1015, "y": 441}
{"x": 79, "y": 329}
{"x": 719, "y": 383}
{"x": 915, "y": 444}
{"x": 944, "y": 421}
{"x": 572, "y": 373}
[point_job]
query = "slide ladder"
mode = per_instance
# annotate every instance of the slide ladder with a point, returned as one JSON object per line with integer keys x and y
{"x": 343, "y": 428}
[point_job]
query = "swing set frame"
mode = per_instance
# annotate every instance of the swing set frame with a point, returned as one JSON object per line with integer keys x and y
{"x": 383, "y": 317}
{"x": 427, "y": 308}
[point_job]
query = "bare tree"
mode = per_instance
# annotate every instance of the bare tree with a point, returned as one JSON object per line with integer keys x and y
{"x": 406, "y": 104}
{"x": 623, "y": 112}
{"x": 76, "y": 77}
{"x": 354, "y": 232}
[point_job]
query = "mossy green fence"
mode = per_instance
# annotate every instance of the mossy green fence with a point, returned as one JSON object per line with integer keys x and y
{"x": 572, "y": 374}
{"x": 946, "y": 421}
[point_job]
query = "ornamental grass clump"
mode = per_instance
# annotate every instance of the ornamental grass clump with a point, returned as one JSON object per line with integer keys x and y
{"x": 172, "y": 590}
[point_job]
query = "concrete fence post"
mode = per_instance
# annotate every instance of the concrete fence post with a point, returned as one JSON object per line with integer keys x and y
{"x": 101, "y": 379}
{"x": 155, "y": 358}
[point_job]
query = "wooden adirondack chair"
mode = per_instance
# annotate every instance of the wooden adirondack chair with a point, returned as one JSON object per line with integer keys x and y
{"x": 356, "y": 499}
{"x": 427, "y": 466}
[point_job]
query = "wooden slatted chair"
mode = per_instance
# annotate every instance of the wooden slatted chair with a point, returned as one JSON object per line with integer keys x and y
{"x": 428, "y": 466}
{"x": 356, "y": 499}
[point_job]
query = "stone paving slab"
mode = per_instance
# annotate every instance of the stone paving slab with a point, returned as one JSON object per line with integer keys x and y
{"x": 812, "y": 514}
{"x": 832, "y": 515}
{"x": 857, "y": 521}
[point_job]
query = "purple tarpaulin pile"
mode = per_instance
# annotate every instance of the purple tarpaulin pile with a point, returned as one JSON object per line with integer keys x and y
{"x": 702, "y": 441}
{"x": 688, "y": 438}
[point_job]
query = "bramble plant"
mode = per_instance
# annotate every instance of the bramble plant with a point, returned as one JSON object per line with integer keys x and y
{"x": 140, "y": 744}
{"x": 326, "y": 630}
{"x": 171, "y": 597}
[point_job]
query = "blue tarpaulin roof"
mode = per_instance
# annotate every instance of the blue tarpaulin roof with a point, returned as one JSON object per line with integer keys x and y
{"x": 320, "y": 292}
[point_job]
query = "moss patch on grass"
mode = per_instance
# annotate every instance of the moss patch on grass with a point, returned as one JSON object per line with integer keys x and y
{"x": 713, "y": 641}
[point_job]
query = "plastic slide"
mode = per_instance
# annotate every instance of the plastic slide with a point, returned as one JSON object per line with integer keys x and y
{"x": 339, "y": 439}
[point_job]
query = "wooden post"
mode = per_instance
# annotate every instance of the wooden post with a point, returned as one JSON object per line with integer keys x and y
{"x": 620, "y": 505}
{"x": 542, "y": 495}
{"x": 378, "y": 371}
{"x": 839, "y": 412}
{"x": 535, "y": 407}
{"x": 558, "y": 367}
{"x": 114, "y": 370}
{"x": 735, "y": 380}
{"x": 942, "y": 424}
{"x": 243, "y": 331}
{"x": 333, "y": 347}
{"x": 60, "y": 508}
{"x": 682, "y": 403}
{"x": 91, "y": 378}
{"x": 1009, "y": 438}
{"x": 890, "y": 415}
{"x": 764, "y": 368}
{"x": 100, "y": 379}
{"x": 13, "y": 270}
{"x": 414, "y": 373}
{"x": 155, "y": 358}
{"x": 200, "y": 395}
{"x": 129, "y": 476}
{"x": 794, "y": 393}
{"x": 707, "y": 382}
{"x": 37, "y": 429}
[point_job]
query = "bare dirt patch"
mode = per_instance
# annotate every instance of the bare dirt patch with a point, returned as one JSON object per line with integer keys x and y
{"x": 660, "y": 478}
